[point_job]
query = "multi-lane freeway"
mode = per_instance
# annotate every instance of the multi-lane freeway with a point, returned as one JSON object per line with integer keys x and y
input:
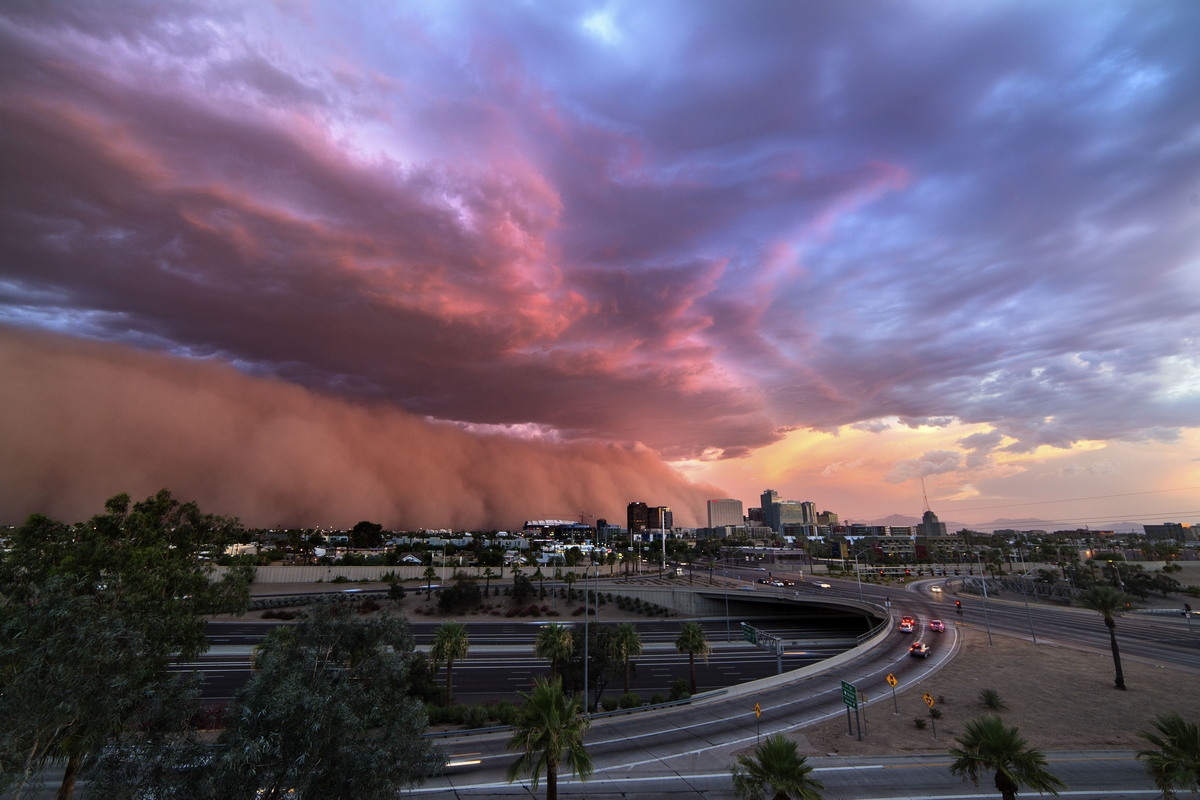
{"x": 673, "y": 751}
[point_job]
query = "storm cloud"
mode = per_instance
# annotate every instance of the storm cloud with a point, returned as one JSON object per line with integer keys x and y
{"x": 684, "y": 227}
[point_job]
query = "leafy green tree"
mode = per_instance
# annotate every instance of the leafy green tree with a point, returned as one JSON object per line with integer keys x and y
{"x": 691, "y": 640}
{"x": 777, "y": 764}
{"x": 1108, "y": 602}
{"x": 449, "y": 645}
{"x": 522, "y": 589}
{"x": 93, "y": 613}
{"x": 462, "y": 595}
{"x": 987, "y": 745}
{"x": 548, "y": 734}
{"x": 555, "y": 643}
{"x": 366, "y": 534}
{"x": 327, "y": 713}
{"x": 1174, "y": 761}
{"x": 627, "y": 645}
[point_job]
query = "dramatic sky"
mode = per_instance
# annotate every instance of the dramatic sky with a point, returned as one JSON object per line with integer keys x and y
{"x": 467, "y": 263}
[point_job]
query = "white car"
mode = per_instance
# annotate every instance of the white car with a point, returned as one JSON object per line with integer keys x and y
{"x": 935, "y": 589}
{"x": 823, "y": 586}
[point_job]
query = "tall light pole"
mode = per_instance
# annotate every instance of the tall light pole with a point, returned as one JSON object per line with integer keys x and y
{"x": 983, "y": 580}
{"x": 858, "y": 572}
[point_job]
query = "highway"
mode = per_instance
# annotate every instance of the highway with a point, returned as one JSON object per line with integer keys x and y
{"x": 683, "y": 751}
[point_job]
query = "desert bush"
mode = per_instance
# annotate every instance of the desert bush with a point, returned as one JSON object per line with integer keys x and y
{"x": 920, "y": 724}
{"x": 990, "y": 698}
{"x": 631, "y": 700}
{"x": 476, "y": 716}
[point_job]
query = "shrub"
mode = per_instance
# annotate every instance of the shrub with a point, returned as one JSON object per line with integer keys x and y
{"x": 476, "y": 716}
{"x": 609, "y": 704}
{"x": 340, "y": 579}
{"x": 368, "y": 605}
{"x": 919, "y": 723}
{"x": 935, "y": 712}
{"x": 657, "y": 699}
{"x": 504, "y": 712}
{"x": 680, "y": 689}
{"x": 631, "y": 700}
{"x": 990, "y": 698}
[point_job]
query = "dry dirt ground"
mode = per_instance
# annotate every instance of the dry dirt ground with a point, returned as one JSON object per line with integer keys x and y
{"x": 1060, "y": 698}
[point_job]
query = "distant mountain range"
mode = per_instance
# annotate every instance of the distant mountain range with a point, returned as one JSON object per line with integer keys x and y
{"x": 1023, "y": 524}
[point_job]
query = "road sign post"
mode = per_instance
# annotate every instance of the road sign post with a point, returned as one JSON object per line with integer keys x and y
{"x": 891, "y": 679}
{"x": 850, "y": 698}
{"x": 928, "y": 698}
{"x": 757, "y": 723}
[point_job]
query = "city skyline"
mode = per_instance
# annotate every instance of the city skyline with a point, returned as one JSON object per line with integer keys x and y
{"x": 462, "y": 264}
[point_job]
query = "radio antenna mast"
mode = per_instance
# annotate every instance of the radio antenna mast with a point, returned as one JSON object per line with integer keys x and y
{"x": 924, "y": 494}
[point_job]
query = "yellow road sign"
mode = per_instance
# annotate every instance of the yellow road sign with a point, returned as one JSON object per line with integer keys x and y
{"x": 928, "y": 698}
{"x": 891, "y": 679}
{"x": 757, "y": 710}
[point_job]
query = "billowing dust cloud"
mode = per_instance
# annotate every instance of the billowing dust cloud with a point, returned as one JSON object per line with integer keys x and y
{"x": 82, "y": 421}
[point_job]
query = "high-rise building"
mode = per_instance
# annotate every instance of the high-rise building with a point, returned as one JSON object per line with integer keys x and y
{"x": 659, "y": 518}
{"x": 722, "y": 513}
{"x": 930, "y": 525}
{"x": 637, "y": 517}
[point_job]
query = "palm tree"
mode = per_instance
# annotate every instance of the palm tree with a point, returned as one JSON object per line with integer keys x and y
{"x": 691, "y": 640}
{"x": 449, "y": 645}
{"x": 430, "y": 574}
{"x": 570, "y": 579}
{"x": 627, "y": 645}
{"x": 540, "y": 577}
{"x": 988, "y": 745}
{"x": 1107, "y": 602}
{"x": 488, "y": 574}
{"x": 549, "y": 732}
{"x": 778, "y": 764}
{"x": 554, "y": 643}
{"x": 1175, "y": 761}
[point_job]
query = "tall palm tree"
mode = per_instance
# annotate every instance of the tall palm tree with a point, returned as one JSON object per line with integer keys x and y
{"x": 1174, "y": 763}
{"x": 540, "y": 577}
{"x": 627, "y": 645}
{"x": 430, "y": 575}
{"x": 691, "y": 640}
{"x": 778, "y": 764}
{"x": 488, "y": 574}
{"x": 555, "y": 644}
{"x": 1107, "y": 602}
{"x": 548, "y": 733}
{"x": 988, "y": 745}
{"x": 570, "y": 579}
{"x": 449, "y": 645}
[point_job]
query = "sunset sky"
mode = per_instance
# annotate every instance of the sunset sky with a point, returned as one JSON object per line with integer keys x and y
{"x": 467, "y": 263}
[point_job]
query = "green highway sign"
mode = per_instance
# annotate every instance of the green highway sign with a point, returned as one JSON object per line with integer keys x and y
{"x": 749, "y": 634}
{"x": 850, "y": 695}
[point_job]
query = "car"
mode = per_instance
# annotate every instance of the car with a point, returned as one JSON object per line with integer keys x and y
{"x": 823, "y": 586}
{"x": 935, "y": 589}
{"x": 937, "y": 625}
{"x": 763, "y": 580}
{"x": 789, "y": 583}
{"x": 906, "y": 626}
{"x": 918, "y": 650}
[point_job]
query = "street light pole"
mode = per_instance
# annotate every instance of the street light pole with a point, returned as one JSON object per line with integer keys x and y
{"x": 983, "y": 580}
